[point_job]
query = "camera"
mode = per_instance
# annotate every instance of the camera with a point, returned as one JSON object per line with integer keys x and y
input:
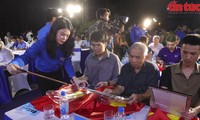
{"x": 116, "y": 23}
{"x": 111, "y": 27}
{"x": 119, "y": 20}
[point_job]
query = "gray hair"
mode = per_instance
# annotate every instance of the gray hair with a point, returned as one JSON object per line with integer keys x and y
{"x": 156, "y": 36}
{"x": 141, "y": 46}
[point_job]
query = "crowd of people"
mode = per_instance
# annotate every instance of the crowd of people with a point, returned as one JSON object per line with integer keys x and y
{"x": 130, "y": 64}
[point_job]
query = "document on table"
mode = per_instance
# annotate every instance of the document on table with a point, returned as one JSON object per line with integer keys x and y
{"x": 140, "y": 115}
{"x": 25, "y": 112}
{"x": 170, "y": 101}
{"x": 29, "y": 109}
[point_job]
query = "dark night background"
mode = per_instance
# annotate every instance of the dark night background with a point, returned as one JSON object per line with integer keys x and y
{"x": 19, "y": 15}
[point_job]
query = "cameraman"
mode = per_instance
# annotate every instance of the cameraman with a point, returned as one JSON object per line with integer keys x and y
{"x": 102, "y": 15}
{"x": 103, "y": 24}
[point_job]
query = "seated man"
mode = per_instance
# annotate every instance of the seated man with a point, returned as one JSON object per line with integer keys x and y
{"x": 184, "y": 77}
{"x": 102, "y": 67}
{"x": 171, "y": 53}
{"x": 22, "y": 45}
{"x": 136, "y": 76}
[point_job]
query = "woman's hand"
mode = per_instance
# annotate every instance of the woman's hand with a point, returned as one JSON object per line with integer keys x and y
{"x": 13, "y": 69}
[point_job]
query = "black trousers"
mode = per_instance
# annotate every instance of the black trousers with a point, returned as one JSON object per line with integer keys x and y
{"x": 45, "y": 84}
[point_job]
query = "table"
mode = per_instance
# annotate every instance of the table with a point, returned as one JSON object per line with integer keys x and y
{"x": 16, "y": 114}
{"x": 83, "y": 106}
{"x": 18, "y": 52}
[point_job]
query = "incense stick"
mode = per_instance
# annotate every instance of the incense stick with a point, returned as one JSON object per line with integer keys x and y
{"x": 94, "y": 91}
{"x": 42, "y": 76}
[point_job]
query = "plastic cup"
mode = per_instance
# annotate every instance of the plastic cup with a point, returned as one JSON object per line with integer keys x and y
{"x": 48, "y": 112}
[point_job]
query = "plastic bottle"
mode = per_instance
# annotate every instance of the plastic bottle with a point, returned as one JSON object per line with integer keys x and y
{"x": 120, "y": 115}
{"x": 64, "y": 107}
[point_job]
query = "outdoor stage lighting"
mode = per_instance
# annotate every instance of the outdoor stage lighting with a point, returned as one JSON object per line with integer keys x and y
{"x": 59, "y": 10}
{"x": 73, "y": 9}
{"x": 147, "y": 23}
{"x": 154, "y": 19}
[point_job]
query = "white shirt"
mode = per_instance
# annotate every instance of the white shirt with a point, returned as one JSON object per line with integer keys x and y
{"x": 78, "y": 44}
{"x": 28, "y": 36}
{"x": 156, "y": 48}
{"x": 6, "y": 56}
{"x": 9, "y": 45}
{"x": 6, "y": 39}
{"x": 85, "y": 44}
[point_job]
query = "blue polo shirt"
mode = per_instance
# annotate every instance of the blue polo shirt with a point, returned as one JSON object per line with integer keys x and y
{"x": 43, "y": 62}
{"x": 42, "y": 33}
{"x": 169, "y": 57}
{"x": 181, "y": 34}
{"x": 136, "y": 33}
{"x": 21, "y": 45}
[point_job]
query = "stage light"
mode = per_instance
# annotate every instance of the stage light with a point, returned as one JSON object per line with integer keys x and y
{"x": 147, "y": 23}
{"x": 154, "y": 19}
{"x": 73, "y": 9}
{"x": 59, "y": 10}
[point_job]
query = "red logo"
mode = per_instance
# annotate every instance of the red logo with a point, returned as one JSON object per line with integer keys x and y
{"x": 186, "y": 8}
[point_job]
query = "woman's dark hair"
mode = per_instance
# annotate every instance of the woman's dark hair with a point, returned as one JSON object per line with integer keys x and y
{"x": 68, "y": 46}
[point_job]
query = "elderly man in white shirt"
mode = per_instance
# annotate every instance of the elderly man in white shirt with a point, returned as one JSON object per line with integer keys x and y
{"x": 156, "y": 46}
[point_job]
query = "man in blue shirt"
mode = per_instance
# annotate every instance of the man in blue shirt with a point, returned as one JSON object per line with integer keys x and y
{"x": 170, "y": 54}
{"x": 21, "y": 44}
{"x": 50, "y": 56}
{"x": 52, "y": 14}
{"x": 181, "y": 32}
{"x": 136, "y": 32}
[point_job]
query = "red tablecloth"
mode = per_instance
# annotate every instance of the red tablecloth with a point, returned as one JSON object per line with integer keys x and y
{"x": 87, "y": 106}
